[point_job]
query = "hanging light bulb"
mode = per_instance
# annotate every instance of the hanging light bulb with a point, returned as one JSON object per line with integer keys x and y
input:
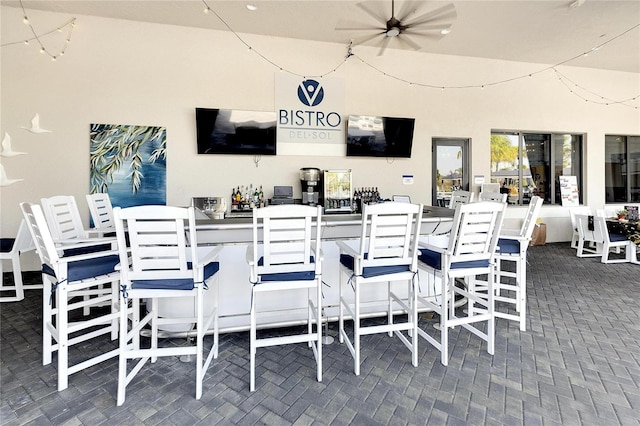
{"x": 25, "y": 20}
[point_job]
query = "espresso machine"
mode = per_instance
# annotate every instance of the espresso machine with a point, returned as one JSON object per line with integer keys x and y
{"x": 212, "y": 207}
{"x": 311, "y": 182}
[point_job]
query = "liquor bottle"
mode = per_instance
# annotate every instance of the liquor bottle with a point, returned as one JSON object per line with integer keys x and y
{"x": 240, "y": 198}
{"x": 234, "y": 202}
{"x": 261, "y": 197}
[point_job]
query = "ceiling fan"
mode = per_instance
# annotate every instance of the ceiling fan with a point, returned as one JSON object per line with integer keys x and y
{"x": 403, "y": 28}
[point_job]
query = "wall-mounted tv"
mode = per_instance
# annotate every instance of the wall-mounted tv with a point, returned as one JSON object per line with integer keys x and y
{"x": 225, "y": 131}
{"x": 372, "y": 136}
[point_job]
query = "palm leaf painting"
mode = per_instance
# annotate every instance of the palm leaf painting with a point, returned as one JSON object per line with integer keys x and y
{"x": 129, "y": 163}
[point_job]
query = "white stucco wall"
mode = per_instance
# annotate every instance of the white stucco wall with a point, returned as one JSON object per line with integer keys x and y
{"x": 125, "y": 72}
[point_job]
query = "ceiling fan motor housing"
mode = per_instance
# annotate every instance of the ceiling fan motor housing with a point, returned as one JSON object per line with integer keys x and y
{"x": 393, "y": 27}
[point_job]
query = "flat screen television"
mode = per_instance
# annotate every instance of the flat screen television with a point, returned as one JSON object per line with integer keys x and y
{"x": 225, "y": 131}
{"x": 372, "y": 136}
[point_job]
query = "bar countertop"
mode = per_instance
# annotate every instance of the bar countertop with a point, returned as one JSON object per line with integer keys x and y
{"x": 238, "y": 230}
{"x": 244, "y": 219}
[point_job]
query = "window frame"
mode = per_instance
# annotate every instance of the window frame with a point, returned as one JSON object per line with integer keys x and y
{"x": 553, "y": 199}
{"x": 628, "y": 154}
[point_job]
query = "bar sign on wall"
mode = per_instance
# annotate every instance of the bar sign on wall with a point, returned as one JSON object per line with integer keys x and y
{"x": 309, "y": 113}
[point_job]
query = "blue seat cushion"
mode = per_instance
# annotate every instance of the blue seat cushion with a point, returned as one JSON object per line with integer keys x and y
{"x": 82, "y": 269}
{"x": 160, "y": 284}
{"x": 617, "y": 237}
{"x": 6, "y": 244}
{"x": 373, "y": 271}
{"x": 85, "y": 250}
{"x": 434, "y": 260}
{"x": 288, "y": 276}
{"x": 509, "y": 246}
{"x": 176, "y": 284}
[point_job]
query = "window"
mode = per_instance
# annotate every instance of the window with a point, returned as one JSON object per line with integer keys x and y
{"x": 622, "y": 169}
{"x": 527, "y": 164}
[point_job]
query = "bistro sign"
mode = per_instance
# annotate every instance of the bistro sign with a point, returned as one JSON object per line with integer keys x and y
{"x": 309, "y": 112}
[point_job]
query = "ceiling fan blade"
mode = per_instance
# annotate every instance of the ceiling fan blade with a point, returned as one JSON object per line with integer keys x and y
{"x": 430, "y": 27}
{"x": 384, "y": 45}
{"x": 376, "y": 15}
{"x": 435, "y": 36}
{"x": 408, "y": 7}
{"x": 444, "y": 13}
{"x": 358, "y": 27}
{"x": 366, "y": 39}
{"x": 405, "y": 38}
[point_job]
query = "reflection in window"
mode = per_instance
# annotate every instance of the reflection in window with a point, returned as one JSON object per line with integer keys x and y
{"x": 622, "y": 169}
{"x": 528, "y": 164}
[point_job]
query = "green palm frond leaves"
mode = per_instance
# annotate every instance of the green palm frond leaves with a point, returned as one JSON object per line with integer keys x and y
{"x": 112, "y": 146}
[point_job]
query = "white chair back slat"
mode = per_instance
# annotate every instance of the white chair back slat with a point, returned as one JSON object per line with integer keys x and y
{"x": 476, "y": 230}
{"x": 575, "y": 237}
{"x": 157, "y": 237}
{"x": 600, "y": 231}
{"x": 40, "y": 233}
{"x": 490, "y": 187}
{"x": 587, "y": 231}
{"x": 531, "y": 217}
{"x": 460, "y": 197}
{"x": 101, "y": 210}
{"x": 63, "y": 217}
{"x": 288, "y": 240}
{"x": 288, "y": 234}
{"x": 590, "y": 241}
{"x": 388, "y": 234}
{"x": 23, "y": 242}
{"x": 149, "y": 239}
{"x": 493, "y": 196}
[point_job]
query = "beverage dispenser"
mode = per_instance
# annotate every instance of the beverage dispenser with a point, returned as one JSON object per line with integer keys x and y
{"x": 311, "y": 182}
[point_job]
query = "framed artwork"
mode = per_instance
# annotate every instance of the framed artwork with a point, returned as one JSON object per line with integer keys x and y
{"x": 129, "y": 163}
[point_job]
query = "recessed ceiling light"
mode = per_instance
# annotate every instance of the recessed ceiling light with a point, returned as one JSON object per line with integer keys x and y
{"x": 445, "y": 31}
{"x": 252, "y": 6}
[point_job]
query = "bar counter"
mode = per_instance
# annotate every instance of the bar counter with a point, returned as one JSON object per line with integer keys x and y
{"x": 234, "y": 295}
{"x": 236, "y": 228}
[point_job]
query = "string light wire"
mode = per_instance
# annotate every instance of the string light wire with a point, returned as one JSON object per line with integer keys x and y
{"x": 43, "y": 49}
{"x": 208, "y": 10}
{"x": 572, "y": 86}
{"x": 601, "y": 99}
{"x": 568, "y": 83}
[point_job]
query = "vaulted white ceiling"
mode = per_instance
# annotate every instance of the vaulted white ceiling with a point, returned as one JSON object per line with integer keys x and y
{"x": 539, "y": 31}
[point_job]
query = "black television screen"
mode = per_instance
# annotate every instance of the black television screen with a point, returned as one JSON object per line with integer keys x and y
{"x": 371, "y": 136}
{"x": 225, "y": 131}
